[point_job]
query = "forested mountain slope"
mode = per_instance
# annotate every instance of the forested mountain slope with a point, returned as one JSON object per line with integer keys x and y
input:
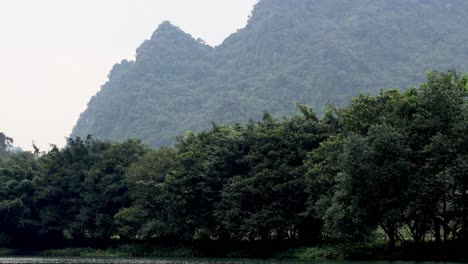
{"x": 313, "y": 52}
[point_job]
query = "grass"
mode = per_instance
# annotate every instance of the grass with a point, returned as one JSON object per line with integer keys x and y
{"x": 130, "y": 250}
{"x": 314, "y": 253}
{"x": 377, "y": 250}
{"x": 430, "y": 251}
{"x": 83, "y": 252}
{"x": 336, "y": 251}
{"x": 8, "y": 252}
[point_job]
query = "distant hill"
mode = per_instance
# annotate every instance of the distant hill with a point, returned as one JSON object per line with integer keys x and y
{"x": 313, "y": 52}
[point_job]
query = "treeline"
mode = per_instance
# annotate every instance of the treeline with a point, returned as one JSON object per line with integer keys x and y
{"x": 395, "y": 162}
{"x": 5, "y": 143}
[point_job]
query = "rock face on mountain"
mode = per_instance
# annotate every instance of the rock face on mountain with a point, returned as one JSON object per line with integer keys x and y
{"x": 312, "y": 52}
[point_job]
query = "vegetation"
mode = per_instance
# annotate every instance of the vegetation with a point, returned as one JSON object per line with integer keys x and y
{"x": 392, "y": 165}
{"x": 312, "y": 52}
{"x": 5, "y": 143}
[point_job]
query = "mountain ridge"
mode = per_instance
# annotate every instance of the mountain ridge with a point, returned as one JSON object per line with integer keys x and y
{"x": 311, "y": 52}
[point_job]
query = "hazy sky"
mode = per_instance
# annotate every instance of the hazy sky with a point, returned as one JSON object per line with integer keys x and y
{"x": 55, "y": 54}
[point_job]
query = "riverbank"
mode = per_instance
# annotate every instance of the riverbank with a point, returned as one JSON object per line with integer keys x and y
{"x": 456, "y": 252}
{"x": 453, "y": 252}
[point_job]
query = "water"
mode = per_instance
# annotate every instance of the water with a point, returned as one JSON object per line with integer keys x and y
{"x": 80, "y": 260}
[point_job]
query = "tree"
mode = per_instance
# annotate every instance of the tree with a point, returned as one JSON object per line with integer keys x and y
{"x": 18, "y": 215}
{"x": 146, "y": 180}
{"x": 5, "y": 142}
{"x": 206, "y": 161}
{"x": 105, "y": 190}
{"x": 321, "y": 177}
{"x": 267, "y": 200}
{"x": 376, "y": 174}
{"x": 438, "y": 137}
{"x": 59, "y": 187}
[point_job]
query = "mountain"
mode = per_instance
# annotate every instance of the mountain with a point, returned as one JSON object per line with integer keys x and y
{"x": 312, "y": 52}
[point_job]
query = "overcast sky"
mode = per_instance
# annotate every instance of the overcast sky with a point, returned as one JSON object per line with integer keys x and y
{"x": 55, "y": 54}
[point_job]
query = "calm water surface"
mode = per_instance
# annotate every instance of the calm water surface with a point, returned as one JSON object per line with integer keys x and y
{"x": 39, "y": 260}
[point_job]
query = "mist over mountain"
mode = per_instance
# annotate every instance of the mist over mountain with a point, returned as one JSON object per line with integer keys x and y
{"x": 312, "y": 52}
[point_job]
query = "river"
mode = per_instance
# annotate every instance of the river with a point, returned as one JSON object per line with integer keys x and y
{"x": 79, "y": 260}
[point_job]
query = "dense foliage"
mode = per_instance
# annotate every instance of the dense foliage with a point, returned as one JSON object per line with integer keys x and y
{"x": 395, "y": 162}
{"x": 313, "y": 52}
{"x": 5, "y": 143}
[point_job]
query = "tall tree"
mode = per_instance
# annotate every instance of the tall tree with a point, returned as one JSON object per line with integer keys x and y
{"x": 5, "y": 142}
{"x": 18, "y": 215}
{"x": 105, "y": 190}
{"x": 60, "y": 187}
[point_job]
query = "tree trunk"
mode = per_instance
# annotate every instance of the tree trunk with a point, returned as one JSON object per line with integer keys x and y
{"x": 464, "y": 228}
{"x": 444, "y": 221}
{"x": 438, "y": 237}
{"x": 390, "y": 230}
{"x": 446, "y": 232}
{"x": 391, "y": 239}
